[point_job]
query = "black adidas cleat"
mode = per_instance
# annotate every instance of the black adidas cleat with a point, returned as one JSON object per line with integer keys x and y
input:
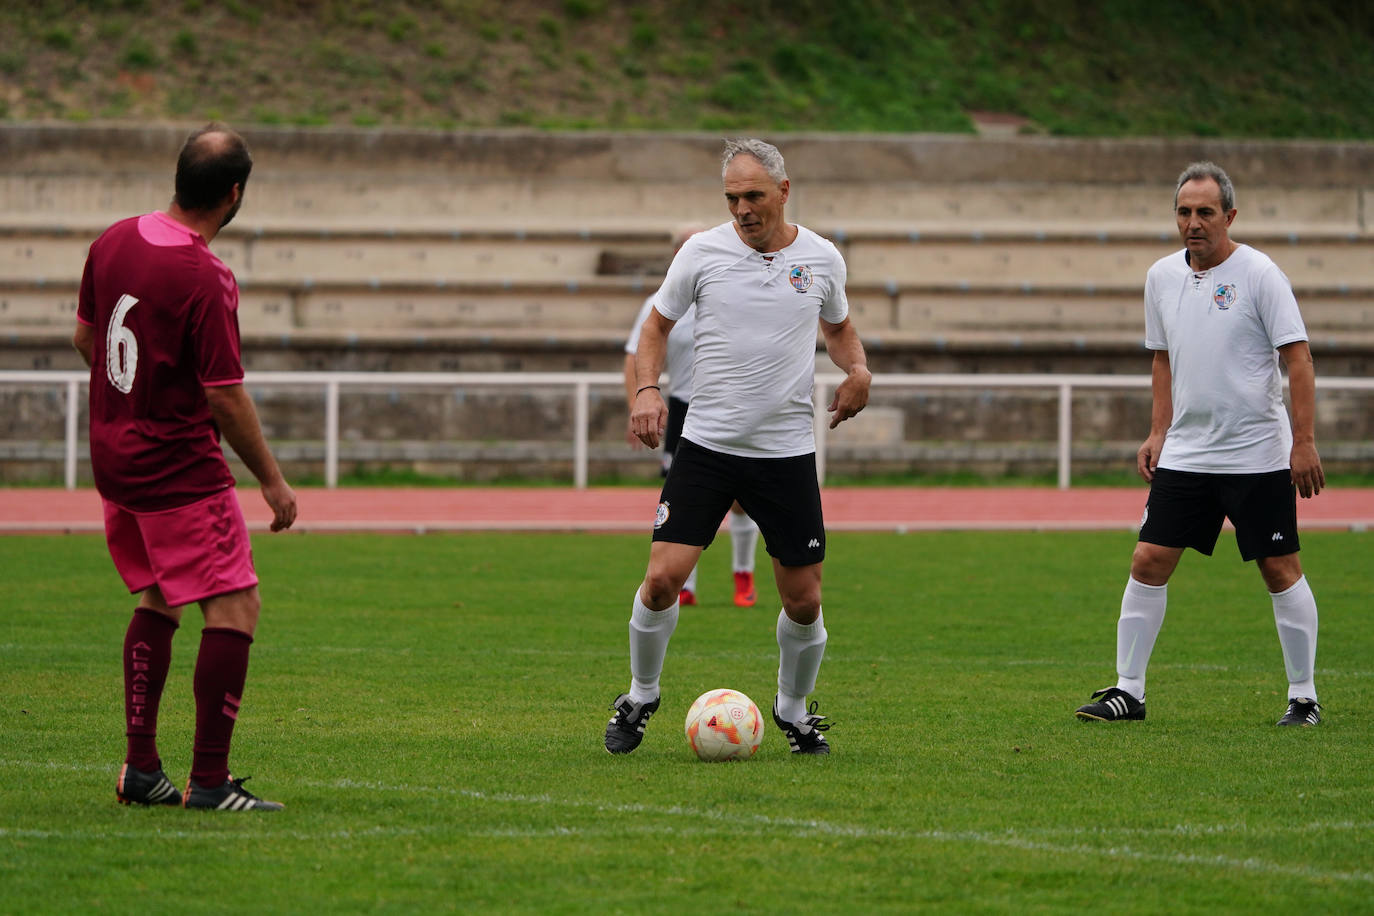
{"x": 136, "y": 787}
{"x": 1302, "y": 712}
{"x": 805, "y": 736}
{"x": 1113, "y": 704}
{"x": 626, "y": 728}
{"x": 229, "y": 796}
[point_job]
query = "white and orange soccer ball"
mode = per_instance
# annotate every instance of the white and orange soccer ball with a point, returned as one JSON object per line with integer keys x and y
{"x": 724, "y": 724}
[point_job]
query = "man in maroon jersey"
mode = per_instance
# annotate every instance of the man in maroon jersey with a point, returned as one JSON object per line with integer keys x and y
{"x": 157, "y": 322}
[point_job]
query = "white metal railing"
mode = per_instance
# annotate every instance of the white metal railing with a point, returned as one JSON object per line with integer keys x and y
{"x": 581, "y": 384}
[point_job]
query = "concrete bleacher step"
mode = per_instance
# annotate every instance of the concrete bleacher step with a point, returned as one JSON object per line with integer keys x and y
{"x": 1106, "y": 261}
{"x": 1069, "y": 311}
{"x": 279, "y": 196}
{"x": 873, "y": 256}
{"x": 329, "y": 197}
{"x": 609, "y": 304}
{"x": 1047, "y": 205}
{"x": 333, "y": 257}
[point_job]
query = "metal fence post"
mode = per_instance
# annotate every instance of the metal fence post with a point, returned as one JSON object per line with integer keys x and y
{"x": 581, "y": 395}
{"x": 1065, "y": 433}
{"x": 331, "y": 433}
{"x": 73, "y": 408}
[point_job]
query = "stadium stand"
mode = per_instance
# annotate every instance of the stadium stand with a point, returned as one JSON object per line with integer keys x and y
{"x": 519, "y": 250}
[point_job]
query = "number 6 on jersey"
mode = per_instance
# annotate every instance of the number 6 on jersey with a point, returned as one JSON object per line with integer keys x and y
{"x": 121, "y": 347}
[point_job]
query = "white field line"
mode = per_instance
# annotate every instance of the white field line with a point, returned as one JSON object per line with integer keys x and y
{"x": 1008, "y": 838}
{"x": 733, "y": 822}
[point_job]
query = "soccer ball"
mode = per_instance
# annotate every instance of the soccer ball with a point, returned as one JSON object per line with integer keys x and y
{"x": 724, "y": 724}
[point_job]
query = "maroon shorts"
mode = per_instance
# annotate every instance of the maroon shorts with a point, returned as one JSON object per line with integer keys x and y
{"x": 190, "y": 553}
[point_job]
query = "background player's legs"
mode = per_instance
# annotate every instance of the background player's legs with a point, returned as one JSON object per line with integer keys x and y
{"x": 147, "y": 658}
{"x": 688, "y": 593}
{"x": 221, "y": 670}
{"x": 1295, "y": 615}
{"x": 744, "y": 538}
{"x": 801, "y": 637}
{"x": 1142, "y": 613}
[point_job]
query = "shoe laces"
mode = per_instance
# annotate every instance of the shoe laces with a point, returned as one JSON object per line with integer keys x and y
{"x": 815, "y": 721}
{"x": 238, "y": 785}
{"x": 1099, "y": 694}
{"x": 624, "y": 713}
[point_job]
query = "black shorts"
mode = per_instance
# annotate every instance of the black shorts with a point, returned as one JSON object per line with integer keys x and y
{"x": 677, "y": 415}
{"x": 1186, "y": 509}
{"x": 781, "y": 494}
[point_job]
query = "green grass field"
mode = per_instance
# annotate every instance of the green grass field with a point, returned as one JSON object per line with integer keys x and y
{"x": 430, "y": 709}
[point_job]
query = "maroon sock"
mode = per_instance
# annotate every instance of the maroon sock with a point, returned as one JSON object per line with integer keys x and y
{"x": 147, "y": 656}
{"x": 221, "y": 669}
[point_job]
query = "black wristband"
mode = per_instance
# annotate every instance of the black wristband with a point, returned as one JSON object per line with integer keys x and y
{"x": 646, "y": 388}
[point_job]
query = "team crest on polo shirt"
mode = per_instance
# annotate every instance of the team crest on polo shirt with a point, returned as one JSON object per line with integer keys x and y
{"x": 800, "y": 278}
{"x": 661, "y": 515}
{"x": 1225, "y": 296}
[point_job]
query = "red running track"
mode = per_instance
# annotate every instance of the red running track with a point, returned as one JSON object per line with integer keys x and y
{"x": 420, "y": 510}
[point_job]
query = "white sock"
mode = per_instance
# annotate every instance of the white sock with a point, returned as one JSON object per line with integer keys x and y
{"x": 1142, "y": 614}
{"x": 800, "y": 650}
{"x": 1295, "y": 615}
{"x": 744, "y": 537}
{"x": 691, "y": 583}
{"x": 649, "y": 635}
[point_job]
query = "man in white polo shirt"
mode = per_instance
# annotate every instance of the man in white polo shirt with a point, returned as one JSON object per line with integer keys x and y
{"x": 677, "y": 392}
{"x": 760, "y": 286}
{"x": 1220, "y": 316}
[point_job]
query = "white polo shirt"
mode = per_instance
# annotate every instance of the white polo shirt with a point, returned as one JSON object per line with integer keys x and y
{"x": 756, "y": 320}
{"x": 1222, "y": 328}
{"x": 677, "y": 359}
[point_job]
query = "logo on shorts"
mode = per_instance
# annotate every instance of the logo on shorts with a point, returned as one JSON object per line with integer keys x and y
{"x": 1144, "y": 515}
{"x": 814, "y": 543}
{"x": 1225, "y": 296}
{"x": 661, "y": 515}
{"x": 800, "y": 278}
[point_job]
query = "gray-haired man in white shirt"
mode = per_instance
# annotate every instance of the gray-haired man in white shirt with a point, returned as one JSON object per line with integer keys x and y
{"x": 1219, "y": 317}
{"x": 760, "y": 287}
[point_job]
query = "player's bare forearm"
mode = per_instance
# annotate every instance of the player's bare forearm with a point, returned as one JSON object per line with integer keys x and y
{"x": 846, "y": 351}
{"x": 1304, "y": 462}
{"x": 630, "y": 438}
{"x": 237, "y": 420}
{"x": 630, "y": 381}
{"x": 1161, "y": 415}
{"x": 652, "y": 350}
{"x": 84, "y": 342}
{"x": 648, "y": 410}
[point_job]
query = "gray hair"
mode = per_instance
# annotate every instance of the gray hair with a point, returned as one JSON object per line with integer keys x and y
{"x": 766, "y": 153}
{"x": 1216, "y": 173}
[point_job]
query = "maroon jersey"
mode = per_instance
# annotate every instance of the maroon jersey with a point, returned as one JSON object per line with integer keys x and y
{"x": 165, "y": 315}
